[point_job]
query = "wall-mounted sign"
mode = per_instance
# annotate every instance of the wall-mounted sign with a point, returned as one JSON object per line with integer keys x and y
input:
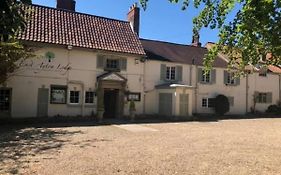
{"x": 58, "y": 94}
{"x": 134, "y": 96}
{"x": 45, "y": 63}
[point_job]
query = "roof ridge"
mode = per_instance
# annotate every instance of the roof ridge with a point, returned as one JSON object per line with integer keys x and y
{"x": 65, "y": 10}
{"x": 167, "y": 42}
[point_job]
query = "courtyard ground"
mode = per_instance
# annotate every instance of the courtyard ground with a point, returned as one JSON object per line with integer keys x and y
{"x": 246, "y": 146}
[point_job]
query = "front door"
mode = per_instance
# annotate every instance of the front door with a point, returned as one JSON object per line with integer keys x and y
{"x": 165, "y": 104}
{"x": 42, "y": 102}
{"x": 110, "y": 103}
{"x": 184, "y": 104}
{"x": 5, "y": 102}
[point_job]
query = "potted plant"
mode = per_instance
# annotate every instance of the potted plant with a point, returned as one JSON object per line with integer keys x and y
{"x": 132, "y": 110}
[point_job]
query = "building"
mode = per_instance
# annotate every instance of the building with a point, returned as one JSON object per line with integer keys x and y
{"x": 89, "y": 65}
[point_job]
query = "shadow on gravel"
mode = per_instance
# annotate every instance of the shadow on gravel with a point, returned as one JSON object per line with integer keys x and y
{"x": 66, "y": 121}
{"x": 17, "y": 143}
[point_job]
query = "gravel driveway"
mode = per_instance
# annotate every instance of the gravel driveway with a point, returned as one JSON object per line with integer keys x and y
{"x": 223, "y": 147}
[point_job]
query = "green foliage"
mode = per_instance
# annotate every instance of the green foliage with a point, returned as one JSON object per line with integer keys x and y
{"x": 10, "y": 52}
{"x": 12, "y": 20}
{"x": 132, "y": 106}
{"x": 221, "y": 105}
{"x": 253, "y": 37}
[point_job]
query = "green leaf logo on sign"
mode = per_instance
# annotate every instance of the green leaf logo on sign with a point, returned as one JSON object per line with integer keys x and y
{"x": 50, "y": 56}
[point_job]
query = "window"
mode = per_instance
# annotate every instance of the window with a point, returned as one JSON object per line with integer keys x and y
{"x": 4, "y": 99}
{"x": 261, "y": 98}
{"x": 89, "y": 97}
{"x": 262, "y": 74}
{"x": 230, "y": 78}
{"x": 74, "y": 97}
{"x": 171, "y": 73}
{"x": 58, "y": 94}
{"x": 206, "y": 76}
{"x": 208, "y": 102}
{"x": 112, "y": 64}
{"x": 205, "y": 102}
{"x": 134, "y": 96}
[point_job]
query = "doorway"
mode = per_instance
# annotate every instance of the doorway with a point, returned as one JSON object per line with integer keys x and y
{"x": 110, "y": 103}
{"x": 184, "y": 104}
{"x": 5, "y": 102}
{"x": 42, "y": 102}
{"x": 165, "y": 104}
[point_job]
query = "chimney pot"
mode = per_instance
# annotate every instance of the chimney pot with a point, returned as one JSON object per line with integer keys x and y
{"x": 66, "y": 4}
{"x": 196, "y": 39}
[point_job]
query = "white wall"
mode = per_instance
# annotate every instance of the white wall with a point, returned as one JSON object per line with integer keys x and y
{"x": 256, "y": 83}
{"x": 270, "y": 83}
{"x": 33, "y": 75}
{"x": 212, "y": 90}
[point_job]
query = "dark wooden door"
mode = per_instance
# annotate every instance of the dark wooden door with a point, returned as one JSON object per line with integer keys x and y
{"x": 42, "y": 102}
{"x": 110, "y": 103}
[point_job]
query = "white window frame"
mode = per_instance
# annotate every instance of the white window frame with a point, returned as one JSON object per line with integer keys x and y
{"x": 112, "y": 68}
{"x": 230, "y": 78}
{"x": 262, "y": 97}
{"x": 207, "y": 105}
{"x": 86, "y": 97}
{"x": 71, "y": 97}
{"x": 169, "y": 71}
{"x": 206, "y": 78}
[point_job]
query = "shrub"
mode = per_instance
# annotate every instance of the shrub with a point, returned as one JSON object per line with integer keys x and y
{"x": 221, "y": 105}
{"x": 274, "y": 109}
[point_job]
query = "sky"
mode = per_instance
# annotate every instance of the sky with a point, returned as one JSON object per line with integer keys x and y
{"x": 162, "y": 21}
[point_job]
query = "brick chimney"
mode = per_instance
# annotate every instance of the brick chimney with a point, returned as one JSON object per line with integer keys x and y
{"x": 134, "y": 18}
{"x": 66, "y": 5}
{"x": 196, "y": 39}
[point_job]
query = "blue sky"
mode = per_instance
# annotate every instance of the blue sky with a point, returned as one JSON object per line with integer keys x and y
{"x": 161, "y": 21}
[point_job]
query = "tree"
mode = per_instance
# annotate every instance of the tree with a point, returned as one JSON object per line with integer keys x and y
{"x": 253, "y": 37}
{"x": 12, "y": 20}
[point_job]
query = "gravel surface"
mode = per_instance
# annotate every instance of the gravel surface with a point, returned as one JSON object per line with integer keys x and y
{"x": 224, "y": 147}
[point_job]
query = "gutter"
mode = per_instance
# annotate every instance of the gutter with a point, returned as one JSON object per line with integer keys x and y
{"x": 144, "y": 87}
{"x": 247, "y": 92}
{"x": 279, "y": 88}
{"x": 196, "y": 88}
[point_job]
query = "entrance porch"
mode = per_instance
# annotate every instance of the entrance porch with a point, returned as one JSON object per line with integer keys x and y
{"x": 110, "y": 95}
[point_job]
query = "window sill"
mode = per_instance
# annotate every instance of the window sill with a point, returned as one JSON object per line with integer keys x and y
{"x": 230, "y": 85}
{"x": 53, "y": 103}
{"x": 90, "y": 105}
{"x": 74, "y": 105}
{"x": 112, "y": 69}
{"x": 206, "y": 83}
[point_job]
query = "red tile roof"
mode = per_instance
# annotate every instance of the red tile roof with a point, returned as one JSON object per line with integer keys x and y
{"x": 56, "y": 26}
{"x": 274, "y": 69}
